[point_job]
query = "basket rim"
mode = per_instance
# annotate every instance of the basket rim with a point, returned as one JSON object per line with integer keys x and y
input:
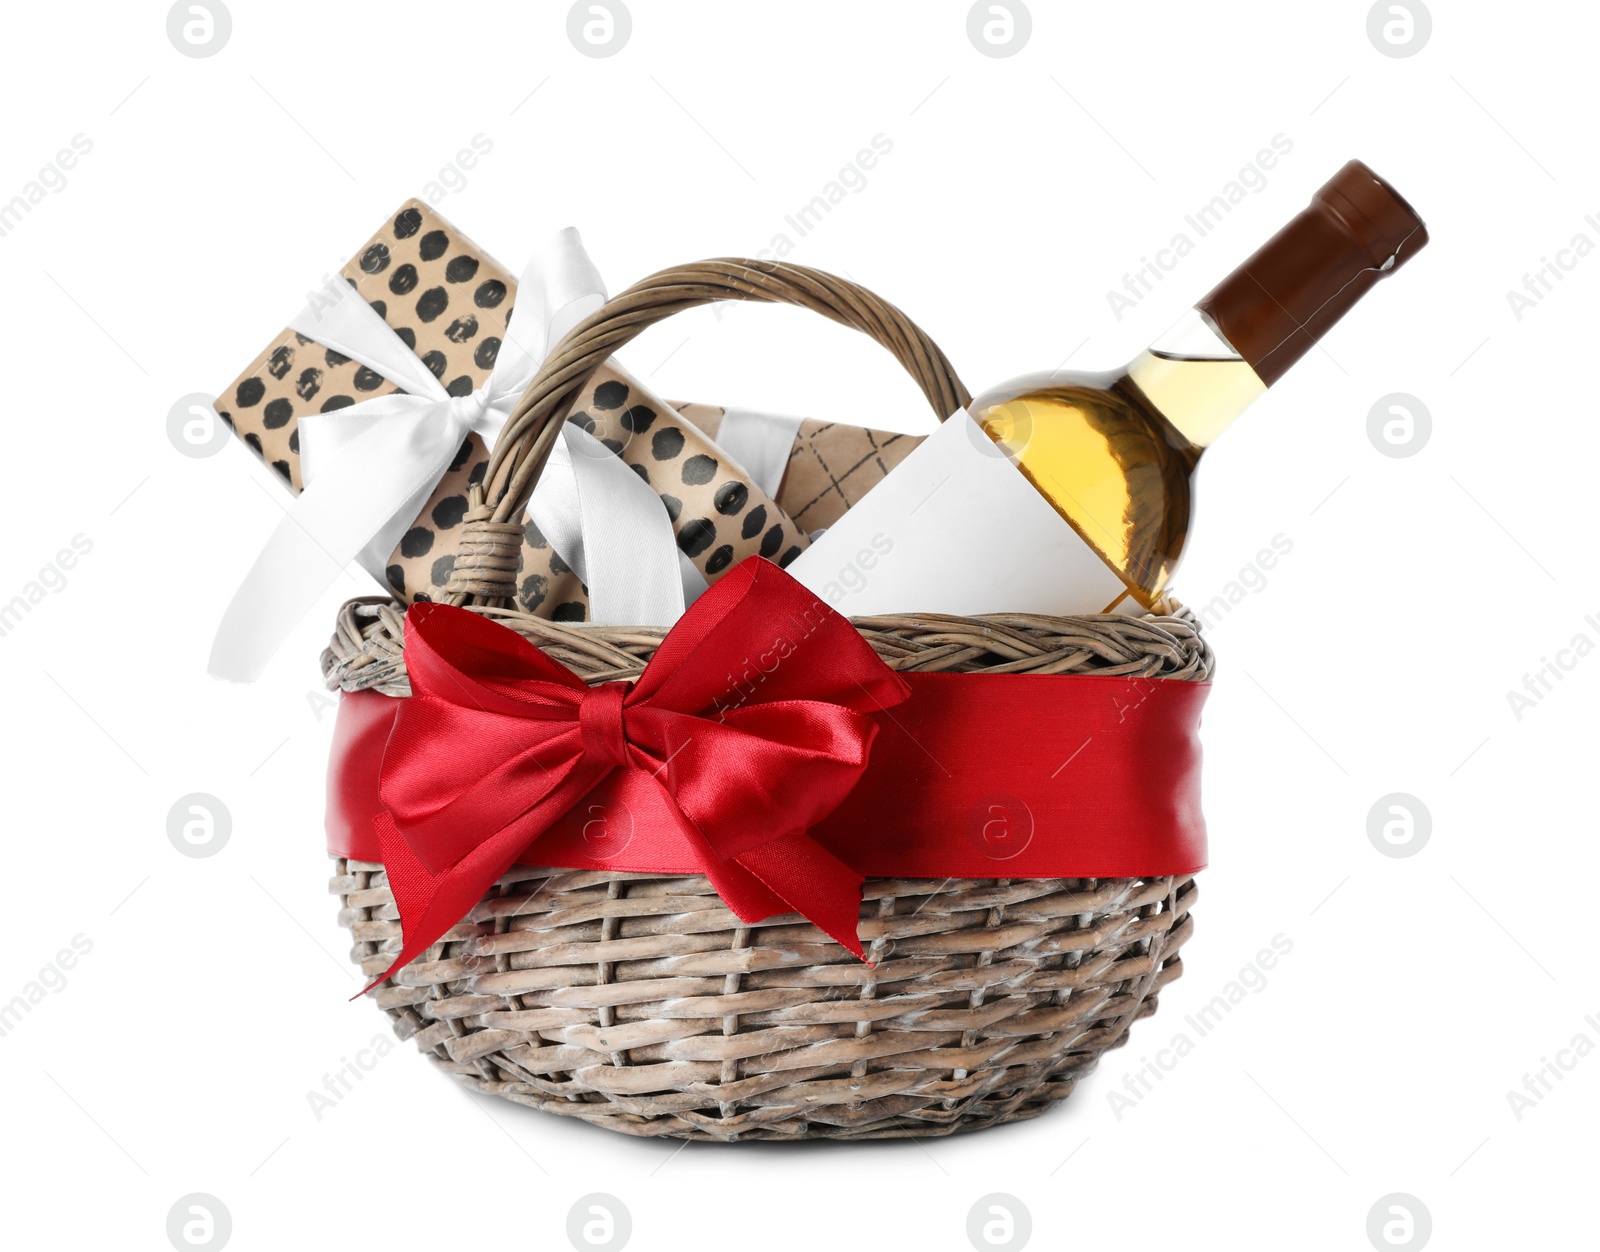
{"x": 367, "y": 650}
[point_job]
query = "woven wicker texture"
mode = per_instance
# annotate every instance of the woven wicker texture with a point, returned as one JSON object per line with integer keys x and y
{"x": 639, "y": 1002}
{"x": 524, "y": 445}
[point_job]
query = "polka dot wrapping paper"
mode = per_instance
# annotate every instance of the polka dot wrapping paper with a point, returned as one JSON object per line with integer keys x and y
{"x": 831, "y": 465}
{"x": 450, "y": 302}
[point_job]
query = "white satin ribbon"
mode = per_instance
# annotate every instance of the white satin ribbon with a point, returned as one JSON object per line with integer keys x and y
{"x": 601, "y": 516}
{"x": 368, "y": 470}
{"x": 760, "y": 444}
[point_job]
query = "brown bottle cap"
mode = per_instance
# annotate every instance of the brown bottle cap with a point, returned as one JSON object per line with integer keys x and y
{"x": 1275, "y": 306}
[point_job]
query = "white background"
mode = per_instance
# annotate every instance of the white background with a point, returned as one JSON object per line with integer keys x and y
{"x": 1377, "y": 658}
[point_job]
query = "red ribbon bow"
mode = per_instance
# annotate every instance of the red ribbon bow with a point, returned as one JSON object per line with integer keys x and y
{"x": 752, "y": 718}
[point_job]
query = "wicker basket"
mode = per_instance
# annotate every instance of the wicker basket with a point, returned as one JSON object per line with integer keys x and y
{"x": 639, "y": 1002}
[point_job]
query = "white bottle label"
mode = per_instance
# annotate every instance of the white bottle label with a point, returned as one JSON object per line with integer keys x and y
{"x": 956, "y": 528}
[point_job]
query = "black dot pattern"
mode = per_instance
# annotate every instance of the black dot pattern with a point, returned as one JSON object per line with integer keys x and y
{"x": 449, "y": 512}
{"x": 450, "y": 303}
{"x": 719, "y": 517}
{"x": 432, "y": 302}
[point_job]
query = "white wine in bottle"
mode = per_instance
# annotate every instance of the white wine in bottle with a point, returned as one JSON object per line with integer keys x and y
{"x": 1115, "y": 453}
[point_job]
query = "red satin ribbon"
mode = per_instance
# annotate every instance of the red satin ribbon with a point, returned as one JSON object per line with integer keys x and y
{"x": 764, "y": 746}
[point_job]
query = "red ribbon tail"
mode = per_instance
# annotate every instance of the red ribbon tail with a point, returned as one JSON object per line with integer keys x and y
{"x": 810, "y": 880}
{"x": 430, "y": 904}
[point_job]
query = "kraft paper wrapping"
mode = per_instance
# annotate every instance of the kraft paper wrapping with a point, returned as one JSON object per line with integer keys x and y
{"x": 831, "y": 465}
{"x": 450, "y": 301}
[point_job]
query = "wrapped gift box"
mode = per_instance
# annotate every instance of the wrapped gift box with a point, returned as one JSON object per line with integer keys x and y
{"x": 450, "y": 302}
{"x": 830, "y": 467}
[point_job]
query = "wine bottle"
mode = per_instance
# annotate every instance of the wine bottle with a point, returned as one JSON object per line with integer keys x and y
{"x": 1115, "y": 453}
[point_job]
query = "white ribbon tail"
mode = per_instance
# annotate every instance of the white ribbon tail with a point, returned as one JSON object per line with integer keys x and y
{"x": 624, "y": 550}
{"x": 760, "y": 444}
{"x": 352, "y": 503}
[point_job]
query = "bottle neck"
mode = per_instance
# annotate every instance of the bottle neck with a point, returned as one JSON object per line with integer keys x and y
{"x": 1196, "y": 379}
{"x": 1290, "y": 292}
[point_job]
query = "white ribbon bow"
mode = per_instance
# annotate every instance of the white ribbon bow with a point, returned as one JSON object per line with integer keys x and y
{"x": 369, "y": 468}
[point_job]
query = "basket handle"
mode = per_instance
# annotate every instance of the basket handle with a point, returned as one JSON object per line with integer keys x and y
{"x": 486, "y": 563}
